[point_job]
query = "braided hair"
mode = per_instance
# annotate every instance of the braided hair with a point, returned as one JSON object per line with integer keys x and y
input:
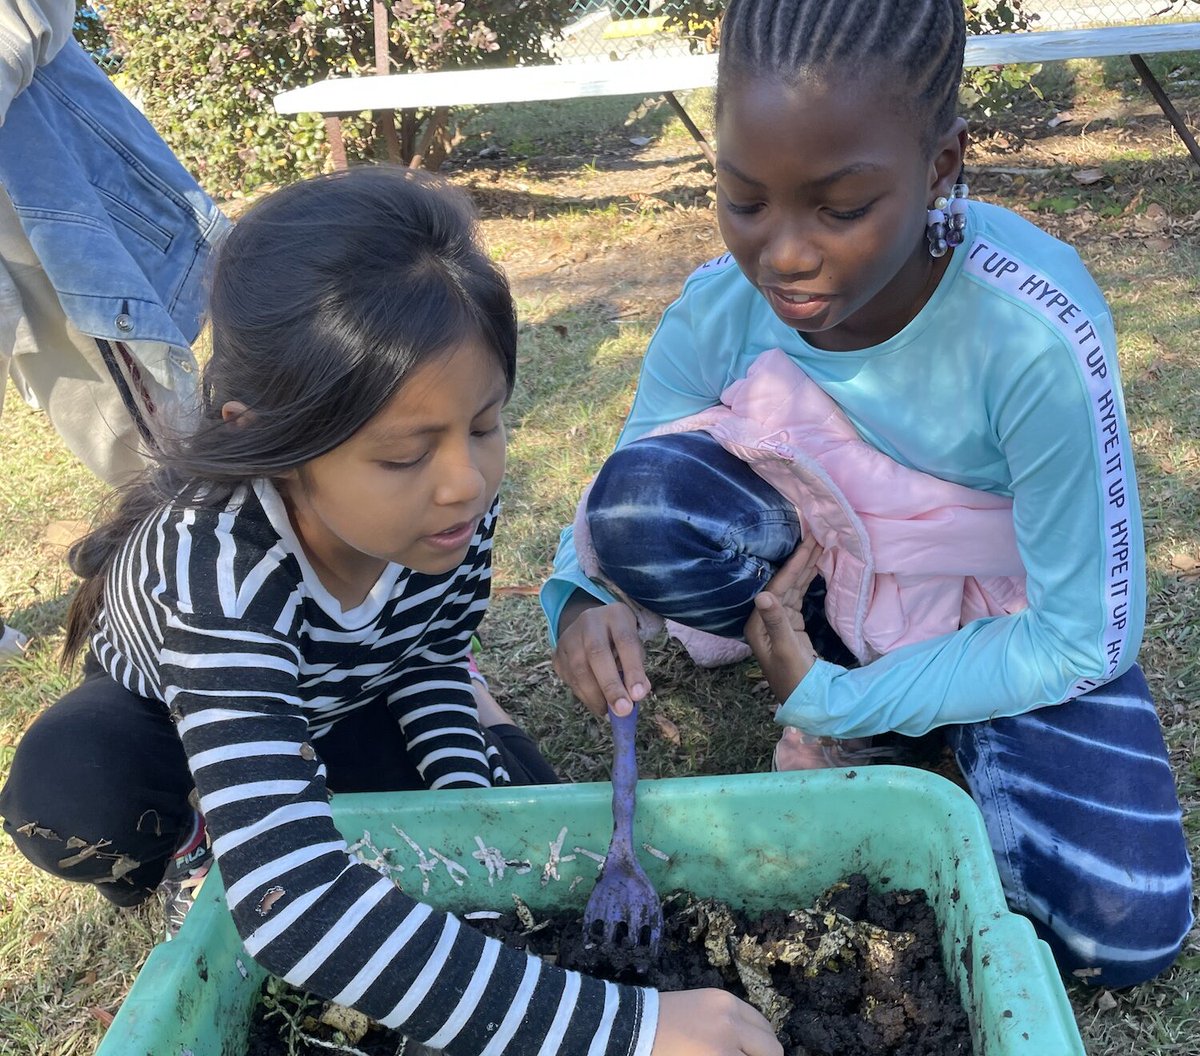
{"x": 799, "y": 40}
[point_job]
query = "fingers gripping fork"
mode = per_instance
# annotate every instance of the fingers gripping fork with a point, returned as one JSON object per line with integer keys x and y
{"x": 624, "y": 907}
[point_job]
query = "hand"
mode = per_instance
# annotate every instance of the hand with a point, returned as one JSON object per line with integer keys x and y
{"x": 775, "y": 630}
{"x": 793, "y": 578}
{"x": 711, "y": 1023}
{"x": 600, "y": 656}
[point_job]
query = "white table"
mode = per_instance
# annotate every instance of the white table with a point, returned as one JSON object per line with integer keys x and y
{"x": 341, "y": 96}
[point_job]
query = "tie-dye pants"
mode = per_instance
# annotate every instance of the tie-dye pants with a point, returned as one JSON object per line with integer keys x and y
{"x": 1079, "y": 798}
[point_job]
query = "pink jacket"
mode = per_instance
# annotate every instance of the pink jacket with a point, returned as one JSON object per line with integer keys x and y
{"x": 907, "y": 556}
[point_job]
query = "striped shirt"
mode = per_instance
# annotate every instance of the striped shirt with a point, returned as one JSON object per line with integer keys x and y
{"x": 217, "y": 613}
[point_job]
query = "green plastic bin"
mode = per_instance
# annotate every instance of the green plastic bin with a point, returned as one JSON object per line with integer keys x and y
{"x": 757, "y": 840}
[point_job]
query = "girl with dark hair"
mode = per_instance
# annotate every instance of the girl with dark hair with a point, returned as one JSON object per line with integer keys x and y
{"x": 881, "y": 443}
{"x": 284, "y": 610}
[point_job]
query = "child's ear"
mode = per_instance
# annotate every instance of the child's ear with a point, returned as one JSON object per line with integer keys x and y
{"x": 234, "y": 412}
{"x": 947, "y": 163}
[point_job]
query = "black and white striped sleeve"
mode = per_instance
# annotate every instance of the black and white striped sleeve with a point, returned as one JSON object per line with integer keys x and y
{"x": 435, "y": 706}
{"x": 220, "y": 614}
{"x": 311, "y": 913}
{"x": 431, "y": 697}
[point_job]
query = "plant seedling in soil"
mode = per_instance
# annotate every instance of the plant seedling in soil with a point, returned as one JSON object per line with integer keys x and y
{"x": 857, "y": 974}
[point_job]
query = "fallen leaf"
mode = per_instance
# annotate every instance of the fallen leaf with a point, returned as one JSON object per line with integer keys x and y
{"x": 90, "y": 851}
{"x": 88, "y": 978}
{"x": 639, "y": 141}
{"x": 1087, "y": 176}
{"x": 1159, "y": 245}
{"x": 102, "y": 1014}
{"x": 1158, "y": 213}
{"x": 1106, "y": 1002}
{"x": 1188, "y": 564}
{"x": 74, "y": 859}
{"x": 33, "y": 829}
{"x": 65, "y": 533}
{"x": 667, "y": 728}
{"x": 124, "y": 864}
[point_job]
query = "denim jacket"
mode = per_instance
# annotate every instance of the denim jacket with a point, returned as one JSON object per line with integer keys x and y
{"x": 120, "y": 227}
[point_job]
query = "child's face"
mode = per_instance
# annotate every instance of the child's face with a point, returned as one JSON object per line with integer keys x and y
{"x": 413, "y": 483}
{"x": 822, "y": 193}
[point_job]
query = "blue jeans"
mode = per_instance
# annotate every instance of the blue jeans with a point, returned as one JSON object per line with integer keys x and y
{"x": 1078, "y": 799}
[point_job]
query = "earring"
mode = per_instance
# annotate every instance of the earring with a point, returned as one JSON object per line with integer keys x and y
{"x": 958, "y": 214}
{"x": 935, "y": 227}
{"x": 947, "y": 221}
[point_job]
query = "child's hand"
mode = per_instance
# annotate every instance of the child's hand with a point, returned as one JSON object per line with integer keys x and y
{"x": 775, "y": 630}
{"x": 791, "y": 582}
{"x": 600, "y": 656}
{"x": 784, "y": 652}
{"x": 711, "y": 1023}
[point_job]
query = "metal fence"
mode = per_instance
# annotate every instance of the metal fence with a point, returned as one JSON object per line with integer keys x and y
{"x": 617, "y": 29}
{"x": 1069, "y": 14}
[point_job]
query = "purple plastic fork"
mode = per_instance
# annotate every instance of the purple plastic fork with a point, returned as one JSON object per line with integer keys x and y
{"x": 624, "y": 907}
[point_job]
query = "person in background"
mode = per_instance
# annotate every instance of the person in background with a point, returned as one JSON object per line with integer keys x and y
{"x": 104, "y": 245}
{"x": 917, "y": 396}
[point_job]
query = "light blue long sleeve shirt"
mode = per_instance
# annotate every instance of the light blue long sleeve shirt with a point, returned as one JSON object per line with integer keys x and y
{"x": 1006, "y": 381}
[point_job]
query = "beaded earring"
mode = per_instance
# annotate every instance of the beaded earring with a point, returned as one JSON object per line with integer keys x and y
{"x": 947, "y": 221}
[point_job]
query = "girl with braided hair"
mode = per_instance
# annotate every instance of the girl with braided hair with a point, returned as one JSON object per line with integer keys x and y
{"x": 881, "y": 444}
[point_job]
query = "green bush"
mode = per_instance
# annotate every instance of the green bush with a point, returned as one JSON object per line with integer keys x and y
{"x": 984, "y": 90}
{"x": 206, "y": 71}
{"x": 988, "y": 90}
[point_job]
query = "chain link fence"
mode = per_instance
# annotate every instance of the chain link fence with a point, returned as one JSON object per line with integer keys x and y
{"x": 1070, "y": 14}
{"x": 617, "y": 29}
{"x": 90, "y": 32}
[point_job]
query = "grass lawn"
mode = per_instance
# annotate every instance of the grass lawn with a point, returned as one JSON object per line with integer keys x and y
{"x": 597, "y": 234}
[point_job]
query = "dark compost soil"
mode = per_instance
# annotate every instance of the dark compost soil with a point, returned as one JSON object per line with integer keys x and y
{"x": 858, "y": 974}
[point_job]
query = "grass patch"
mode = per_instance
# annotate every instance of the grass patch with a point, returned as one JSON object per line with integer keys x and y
{"x": 575, "y": 127}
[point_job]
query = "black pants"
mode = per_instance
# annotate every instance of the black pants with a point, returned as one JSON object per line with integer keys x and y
{"x": 99, "y": 786}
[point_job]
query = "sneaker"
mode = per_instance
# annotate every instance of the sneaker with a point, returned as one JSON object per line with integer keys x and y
{"x": 186, "y": 871}
{"x": 12, "y": 645}
{"x": 797, "y": 750}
